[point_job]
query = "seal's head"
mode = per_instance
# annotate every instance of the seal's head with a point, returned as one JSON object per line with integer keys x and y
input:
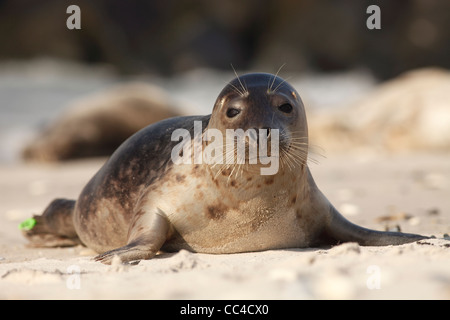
{"x": 263, "y": 102}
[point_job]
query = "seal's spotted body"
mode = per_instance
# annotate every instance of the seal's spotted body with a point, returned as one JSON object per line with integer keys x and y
{"x": 140, "y": 201}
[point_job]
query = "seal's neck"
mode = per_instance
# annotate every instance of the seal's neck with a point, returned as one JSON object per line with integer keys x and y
{"x": 247, "y": 184}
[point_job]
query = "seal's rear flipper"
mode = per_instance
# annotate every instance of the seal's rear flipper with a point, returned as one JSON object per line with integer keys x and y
{"x": 54, "y": 228}
{"x": 340, "y": 229}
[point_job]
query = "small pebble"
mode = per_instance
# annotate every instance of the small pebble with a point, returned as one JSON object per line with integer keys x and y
{"x": 434, "y": 181}
{"x": 349, "y": 209}
{"x": 345, "y": 194}
{"x": 281, "y": 274}
{"x": 433, "y": 211}
{"x": 87, "y": 252}
{"x": 414, "y": 221}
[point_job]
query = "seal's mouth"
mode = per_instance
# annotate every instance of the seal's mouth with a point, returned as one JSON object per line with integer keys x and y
{"x": 256, "y": 147}
{"x": 270, "y": 143}
{"x": 266, "y": 150}
{"x": 263, "y": 149}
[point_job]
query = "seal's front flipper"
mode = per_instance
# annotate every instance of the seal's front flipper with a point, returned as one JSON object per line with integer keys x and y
{"x": 130, "y": 252}
{"x": 147, "y": 235}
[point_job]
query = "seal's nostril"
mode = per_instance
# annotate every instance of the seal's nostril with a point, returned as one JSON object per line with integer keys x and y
{"x": 261, "y": 132}
{"x": 267, "y": 131}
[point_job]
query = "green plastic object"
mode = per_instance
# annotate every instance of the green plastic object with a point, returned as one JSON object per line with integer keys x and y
{"x": 27, "y": 224}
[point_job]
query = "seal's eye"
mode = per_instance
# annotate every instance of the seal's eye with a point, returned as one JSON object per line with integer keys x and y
{"x": 286, "y": 108}
{"x": 232, "y": 112}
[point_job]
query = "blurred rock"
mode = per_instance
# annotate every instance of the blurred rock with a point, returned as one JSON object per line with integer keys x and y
{"x": 96, "y": 125}
{"x": 410, "y": 112}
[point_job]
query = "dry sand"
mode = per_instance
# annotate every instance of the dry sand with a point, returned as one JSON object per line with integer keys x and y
{"x": 411, "y": 191}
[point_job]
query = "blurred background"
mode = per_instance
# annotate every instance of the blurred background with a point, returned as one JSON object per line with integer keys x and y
{"x": 173, "y": 36}
{"x": 186, "y": 48}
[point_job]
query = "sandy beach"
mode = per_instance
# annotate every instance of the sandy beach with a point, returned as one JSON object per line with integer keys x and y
{"x": 77, "y": 80}
{"x": 409, "y": 191}
{"x": 370, "y": 183}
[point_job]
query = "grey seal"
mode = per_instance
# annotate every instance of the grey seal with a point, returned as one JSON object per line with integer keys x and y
{"x": 141, "y": 202}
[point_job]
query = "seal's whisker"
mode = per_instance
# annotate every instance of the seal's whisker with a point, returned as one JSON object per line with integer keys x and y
{"x": 218, "y": 173}
{"x": 293, "y": 162}
{"x": 314, "y": 151}
{"x": 287, "y": 160}
{"x": 237, "y": 171}
{"x": 237, "y": 90}
{"x": 278, "y": 86}
{"x": 269, "y": 89}
{"x": 244, "y": 89}
{"x": 303, "y": 150}
{"x": 298, "y": 137}
{"x": 300, "y": 159}
{"x": 225, "y": 156}
{"x": 283, "y": 160}
{"x": 242, "y": 169}
{"x": 231, "y": 173}
{"x": 221, "y": 169}
{"x": 298, "y": 143}
{"x": 298, "y": 146}
{"x": 313, "y": 160}
{"x": 284, "y": 156}
{"x": 295, "y": 154}
{"x": 292, "y": 134}
{"x": 318, "y": 150}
